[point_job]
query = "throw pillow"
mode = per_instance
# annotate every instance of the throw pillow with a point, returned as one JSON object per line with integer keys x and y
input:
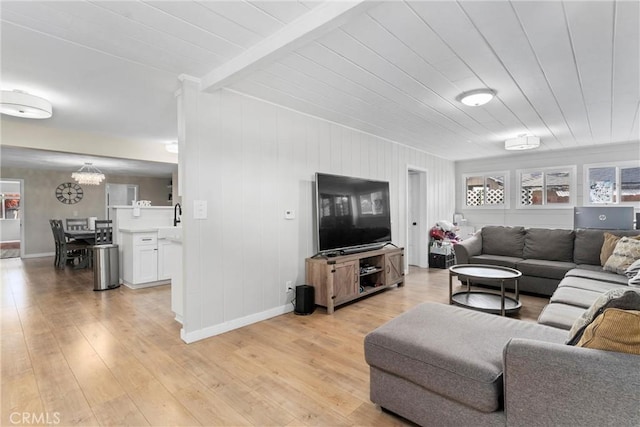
{"x": 613, "y": 298}
{"x": 625, "y": 253}
{"x": 635, "y": 281}
{"x": 614, "y": 330}
{"x": 609, "y": 244}
{"x": 633, "y": 269}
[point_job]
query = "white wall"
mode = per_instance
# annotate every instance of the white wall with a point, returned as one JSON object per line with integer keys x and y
{"x": 250, "y": 161}
{"x": 545, "y": 218}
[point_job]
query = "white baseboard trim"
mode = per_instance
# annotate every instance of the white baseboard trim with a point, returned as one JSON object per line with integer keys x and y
{"x": 221, "y": 328}
{"x": 39, "y": 255}
{"x": 145, "y": 285}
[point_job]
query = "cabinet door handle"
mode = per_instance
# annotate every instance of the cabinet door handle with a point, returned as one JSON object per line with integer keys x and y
{"x": 147, "y": 239}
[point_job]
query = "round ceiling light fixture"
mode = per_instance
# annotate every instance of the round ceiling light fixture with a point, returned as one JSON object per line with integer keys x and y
{"x": 21, "y": 104}
{"x": 522, "y": 142}
{"x": 475, "y": 98}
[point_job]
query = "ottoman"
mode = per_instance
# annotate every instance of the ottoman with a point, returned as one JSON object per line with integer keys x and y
{"x": 439, "y": 364}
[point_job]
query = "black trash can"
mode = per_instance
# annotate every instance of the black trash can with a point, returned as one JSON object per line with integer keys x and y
{"x": 305, "y": 300}
{"x": 106, "y": 269}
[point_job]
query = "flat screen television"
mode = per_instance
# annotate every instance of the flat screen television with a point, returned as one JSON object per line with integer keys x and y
{"x": 352, "y": 213}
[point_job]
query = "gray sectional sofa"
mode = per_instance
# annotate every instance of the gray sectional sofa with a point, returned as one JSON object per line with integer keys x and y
{"x": 543, "y": 256}
{"x": 444, "y": 365}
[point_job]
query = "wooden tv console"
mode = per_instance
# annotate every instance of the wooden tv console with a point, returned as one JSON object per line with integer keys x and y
{"x": 340, "y": 279}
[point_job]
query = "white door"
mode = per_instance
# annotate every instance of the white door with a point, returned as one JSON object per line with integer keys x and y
{"x": 414, "y": 216}
{"x": 417, "y": 226}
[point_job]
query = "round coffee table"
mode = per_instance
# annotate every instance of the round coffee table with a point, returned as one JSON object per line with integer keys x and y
{"x": 485, "y": 300}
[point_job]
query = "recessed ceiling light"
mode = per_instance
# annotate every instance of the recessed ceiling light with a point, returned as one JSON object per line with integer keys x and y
{"x": 522, "y": 142}
{"x": 21, "y": 104}
{"x": 475, "y": 98}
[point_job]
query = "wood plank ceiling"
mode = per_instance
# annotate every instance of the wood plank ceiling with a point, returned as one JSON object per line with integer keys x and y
{"x": 567, "y": 72}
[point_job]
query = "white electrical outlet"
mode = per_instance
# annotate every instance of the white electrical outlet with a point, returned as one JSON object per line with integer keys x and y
{"x": 288, "y": 286}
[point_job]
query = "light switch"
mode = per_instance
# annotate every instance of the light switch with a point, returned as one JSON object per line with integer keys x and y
{"x": 289, "y": 214}
{"x": 199, "y": 209}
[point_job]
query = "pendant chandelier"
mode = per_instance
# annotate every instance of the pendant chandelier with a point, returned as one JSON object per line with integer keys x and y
{"x": 88, "y": 175}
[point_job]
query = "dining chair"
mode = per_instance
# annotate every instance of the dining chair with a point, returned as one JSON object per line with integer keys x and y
{"x": 52, "y": 223}
{"x": 67, "y": 251}
{"x": 77, "y": 223}
{"x": 103, "y": 232}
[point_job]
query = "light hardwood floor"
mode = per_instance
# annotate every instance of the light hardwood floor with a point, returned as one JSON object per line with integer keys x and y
{"x": 72, "y": 356}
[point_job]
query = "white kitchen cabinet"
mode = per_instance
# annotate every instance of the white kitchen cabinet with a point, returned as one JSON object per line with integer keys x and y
{"x": 140, "y": 261}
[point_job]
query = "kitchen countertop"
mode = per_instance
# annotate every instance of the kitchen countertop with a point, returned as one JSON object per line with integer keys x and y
{"x": 141, "y": 207}
{"x": 139, "y": 230}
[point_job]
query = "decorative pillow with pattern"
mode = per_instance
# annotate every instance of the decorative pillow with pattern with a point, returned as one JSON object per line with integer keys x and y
{"x": 633, "y": 269}
{"x": 626, "y": 252}
{"x": 609, "y": 244}
{"x": 626, "y": 299}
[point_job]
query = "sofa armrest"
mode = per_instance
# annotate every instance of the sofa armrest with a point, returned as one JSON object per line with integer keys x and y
{"x": 468, "y": 248}
{"x": 560, "y": 385}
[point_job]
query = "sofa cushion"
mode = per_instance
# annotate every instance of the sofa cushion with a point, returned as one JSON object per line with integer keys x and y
{"x": 599, "y": 274}
{"x": 614, "y": 330}
{"x": 588, "y": 244}
{"x": 625, "y": 253}
{"x": 574, "y": 296}
{"x": 505, "y": 241}
{"x": 549, "y": 244}
{"x": 464, "y": 366}
{"x": 561, "y": 316}
{"x": 543, "y": 268}
{"x": 504, "y": 261}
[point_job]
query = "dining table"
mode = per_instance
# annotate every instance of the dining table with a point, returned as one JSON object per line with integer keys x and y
{"x": 83, "y": 235}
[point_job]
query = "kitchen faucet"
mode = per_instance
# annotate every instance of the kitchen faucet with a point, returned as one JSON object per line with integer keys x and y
{"x": 177, "y": 211}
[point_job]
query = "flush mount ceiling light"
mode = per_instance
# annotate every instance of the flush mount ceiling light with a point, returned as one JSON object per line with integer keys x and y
{"x": 475, "y": 98}
{"x": 522, "y": 142}
{"x": 21, "y": 104}
{"x": 88, "y": 175}
{"x": 171, "y": 147}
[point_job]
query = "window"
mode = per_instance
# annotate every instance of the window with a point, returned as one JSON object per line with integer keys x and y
{"x": 10, "y": 206}
{"x": 612, "y": 184}
{"x": 547, "y": 187}
{"x": 488, "y": 190}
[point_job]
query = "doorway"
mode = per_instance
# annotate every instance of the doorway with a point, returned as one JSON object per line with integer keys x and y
{"x": 417, "y": 223}
{"x": 11, "y": 213}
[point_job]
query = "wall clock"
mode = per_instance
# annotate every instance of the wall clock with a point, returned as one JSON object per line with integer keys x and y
{"x": 69, "y": 193}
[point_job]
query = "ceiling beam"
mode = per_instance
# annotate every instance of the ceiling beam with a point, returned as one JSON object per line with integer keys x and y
{"x": 317, "y": 22}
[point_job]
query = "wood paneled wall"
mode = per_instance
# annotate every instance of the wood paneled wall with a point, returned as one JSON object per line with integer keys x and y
{"x": 250, "y": 161}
